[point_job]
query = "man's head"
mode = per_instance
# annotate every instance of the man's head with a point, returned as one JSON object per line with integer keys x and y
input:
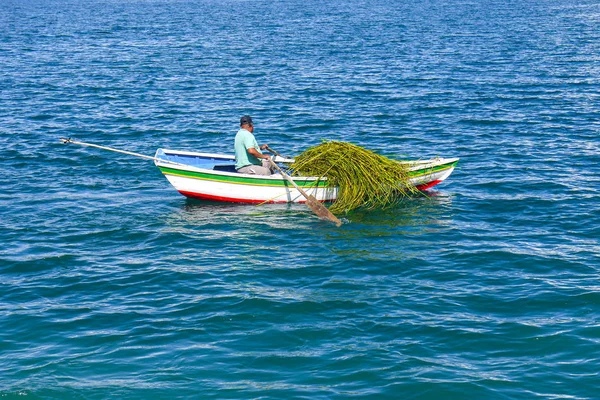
{"x": 246, "y": 123}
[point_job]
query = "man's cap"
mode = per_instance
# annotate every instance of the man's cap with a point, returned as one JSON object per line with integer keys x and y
{"x": 246, "y": 119}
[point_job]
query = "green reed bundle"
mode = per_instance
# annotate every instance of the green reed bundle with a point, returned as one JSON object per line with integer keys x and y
{"x": 364, "y": 179}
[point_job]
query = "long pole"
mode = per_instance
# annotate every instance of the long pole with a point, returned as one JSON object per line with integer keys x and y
{"x": 130, "y": 153}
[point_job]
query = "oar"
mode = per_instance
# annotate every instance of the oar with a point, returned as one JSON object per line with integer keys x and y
{"x": 314, "y": 204}
{"x": 270, "y": 150}
{"x": 130, "y": 153}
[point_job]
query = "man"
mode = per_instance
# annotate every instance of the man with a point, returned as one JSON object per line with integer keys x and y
{"x": 248, "y": 156}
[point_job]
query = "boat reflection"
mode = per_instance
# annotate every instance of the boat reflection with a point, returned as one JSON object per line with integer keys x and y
{"x": 386, "y": 235}
{"x": 199, "y": 213}
{"x": 414, "y": 215}
{"x": 229, "y": 234}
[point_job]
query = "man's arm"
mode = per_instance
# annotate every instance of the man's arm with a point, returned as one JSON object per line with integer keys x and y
{"x": 257, "y": 154}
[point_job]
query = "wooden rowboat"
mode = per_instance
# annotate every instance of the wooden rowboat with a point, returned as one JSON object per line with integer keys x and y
{"x": 213, "y": 177}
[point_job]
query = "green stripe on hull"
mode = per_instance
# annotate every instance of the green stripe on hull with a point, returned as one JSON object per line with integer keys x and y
{"x": 427, "y": 171}
{"x": 256, "y": 181}
{"x": 238, "y": 180}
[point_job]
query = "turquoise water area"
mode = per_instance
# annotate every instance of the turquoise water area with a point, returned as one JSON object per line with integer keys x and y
{"x": 112, "y": 285}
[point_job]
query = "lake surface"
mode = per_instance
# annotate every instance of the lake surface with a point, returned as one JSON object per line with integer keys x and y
{"x": 112, "y": 285}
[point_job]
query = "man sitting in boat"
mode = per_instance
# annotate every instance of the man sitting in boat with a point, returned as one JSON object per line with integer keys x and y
{"x": 248, "y": 156}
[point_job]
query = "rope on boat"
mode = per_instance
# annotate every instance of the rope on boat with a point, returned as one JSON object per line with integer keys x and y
{"x": 283, "y": 194}
{"x": 130, "y": 153}
{"x": 271, "y": 199}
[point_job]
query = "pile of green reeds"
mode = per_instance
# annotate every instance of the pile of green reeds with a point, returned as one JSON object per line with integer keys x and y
{"x": 364, "y": 178}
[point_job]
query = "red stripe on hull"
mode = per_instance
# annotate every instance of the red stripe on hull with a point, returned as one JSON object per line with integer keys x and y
{"x": 208, "y": 197}
{"x": 201, "y": 196}
{"x": 428, "y": 185}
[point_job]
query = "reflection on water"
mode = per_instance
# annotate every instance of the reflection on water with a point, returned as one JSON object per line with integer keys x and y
{"x": 414, "y": 216}
{"x": 196, "y": 214}
{"x": 238, "y": 238}
{"x": 385, "y": 235}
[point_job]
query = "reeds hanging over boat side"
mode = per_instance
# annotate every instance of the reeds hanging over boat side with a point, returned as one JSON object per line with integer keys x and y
{"x": 364, "y": 178}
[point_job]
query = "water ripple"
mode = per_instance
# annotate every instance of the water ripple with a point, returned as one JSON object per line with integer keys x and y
{"x": 113, "y": 285}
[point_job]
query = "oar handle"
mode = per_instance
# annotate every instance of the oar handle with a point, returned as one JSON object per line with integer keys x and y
{"x": 270, "y": 150}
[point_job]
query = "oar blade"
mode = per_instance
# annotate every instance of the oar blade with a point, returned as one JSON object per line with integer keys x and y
{"x": 321, "y": 211}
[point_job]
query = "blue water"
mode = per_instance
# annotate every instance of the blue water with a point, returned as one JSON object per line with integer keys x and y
{"x": 112, "y": 285}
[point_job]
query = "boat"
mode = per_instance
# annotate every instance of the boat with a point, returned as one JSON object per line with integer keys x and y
{"x": 208, "y": 176}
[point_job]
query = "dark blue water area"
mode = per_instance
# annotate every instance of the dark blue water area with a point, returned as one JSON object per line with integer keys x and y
{"x": 112, "y": 285}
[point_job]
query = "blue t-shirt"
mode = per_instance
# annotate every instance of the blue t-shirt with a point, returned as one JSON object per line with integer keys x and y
{"x": 245, "y": 140}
